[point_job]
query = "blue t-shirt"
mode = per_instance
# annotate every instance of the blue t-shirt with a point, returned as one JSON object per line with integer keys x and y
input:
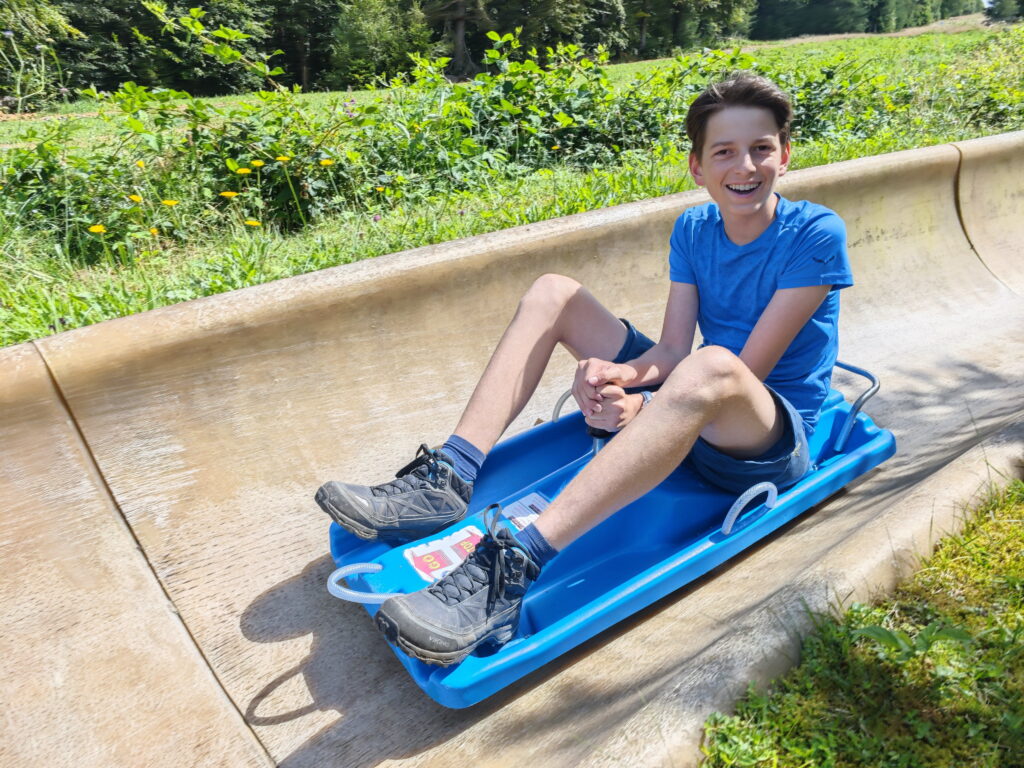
{"x": 805, "y": 245}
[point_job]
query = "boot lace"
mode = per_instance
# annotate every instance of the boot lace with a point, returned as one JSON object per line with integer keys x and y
{"x": 410, "y": 477}
{"x": 485, "y": 566}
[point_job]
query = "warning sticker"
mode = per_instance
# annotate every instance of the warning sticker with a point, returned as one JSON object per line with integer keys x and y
{"x": 524, "y": 511}
{"x": 433, "y": 560}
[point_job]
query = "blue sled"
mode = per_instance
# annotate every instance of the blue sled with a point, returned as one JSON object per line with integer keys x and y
{"x": 671, "y": 536}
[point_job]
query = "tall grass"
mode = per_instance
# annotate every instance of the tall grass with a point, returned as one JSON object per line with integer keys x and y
{"x": 866, "y": 97}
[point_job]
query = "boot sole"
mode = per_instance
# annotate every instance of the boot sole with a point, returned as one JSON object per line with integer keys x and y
{"x": 439, "y": 658}
{"x": 343, "y": 520}
{"x": 391, "y": 536}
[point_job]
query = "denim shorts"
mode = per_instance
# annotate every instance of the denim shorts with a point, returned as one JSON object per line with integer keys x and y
{"x": 782, "y": 464}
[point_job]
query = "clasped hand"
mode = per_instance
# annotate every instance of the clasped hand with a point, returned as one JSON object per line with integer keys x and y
{"x": 598, "y": 389}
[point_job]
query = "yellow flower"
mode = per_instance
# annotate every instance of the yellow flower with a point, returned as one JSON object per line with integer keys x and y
{"x": 135, "y": 198}
{"x": 252, "y": 223}
{"x": 257, "y": 163}
{"x": 556, "y": 147}
{"x": 97, "y": 229}
{"x": 170, "y": 203}
{"x": 229, "y": 193}
{"x": 140, "y": 163}
{"x": 327, "y": 161}
{"x": 379, "y": 189}
{"x": 154, "y": 231}
{"x": 244, "y": 171}
{"x": 282, "y": 158}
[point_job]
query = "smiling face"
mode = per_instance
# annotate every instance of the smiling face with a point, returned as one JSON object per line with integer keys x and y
{"x": 740, "y": 162}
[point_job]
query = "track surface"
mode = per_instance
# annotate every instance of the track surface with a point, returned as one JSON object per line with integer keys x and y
{"x": 164, "y": 562}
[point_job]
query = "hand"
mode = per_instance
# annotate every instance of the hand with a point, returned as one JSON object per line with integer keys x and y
{"x": 616, "y": 409}
{"x": 593, "y": 373}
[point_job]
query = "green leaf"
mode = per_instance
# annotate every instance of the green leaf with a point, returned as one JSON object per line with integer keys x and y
{"x": 563, "y": 119}
{"x": 880, "y": 635}
{"x": 509, "y": 107}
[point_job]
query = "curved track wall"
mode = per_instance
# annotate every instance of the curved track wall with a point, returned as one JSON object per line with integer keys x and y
{"x": 212, "y": 423}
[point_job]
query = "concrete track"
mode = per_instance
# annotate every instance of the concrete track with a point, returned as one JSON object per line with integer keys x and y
{"x": 164, "y": 561}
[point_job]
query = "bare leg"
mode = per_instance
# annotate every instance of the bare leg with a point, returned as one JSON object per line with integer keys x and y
{"x": 710, "y": 393}
{"x": 556, "y": 309}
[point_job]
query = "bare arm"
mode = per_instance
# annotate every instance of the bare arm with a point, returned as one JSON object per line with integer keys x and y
{"x": 598, "y": 383}
{"x": 786, "y": 313}
{"x": 677, "y": 332}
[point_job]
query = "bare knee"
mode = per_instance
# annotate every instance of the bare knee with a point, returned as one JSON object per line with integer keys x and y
{"x": 708, "y": 376}
{"x": 549, "y": 293}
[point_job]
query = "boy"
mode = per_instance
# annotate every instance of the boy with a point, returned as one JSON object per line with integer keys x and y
{"x": 761, "y": 276}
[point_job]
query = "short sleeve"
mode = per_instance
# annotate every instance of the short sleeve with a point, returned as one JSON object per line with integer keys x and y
{"x": 819, "y": 254}
{"x": 680, "y": 268}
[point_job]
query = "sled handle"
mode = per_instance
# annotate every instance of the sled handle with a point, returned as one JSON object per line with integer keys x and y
{"x": 851, "y": 417}
{"x": 745, "y": 498}
{"x": 559, "y": 404}
{"x": 351, "y": 595}
{"x": 599, "y": 435}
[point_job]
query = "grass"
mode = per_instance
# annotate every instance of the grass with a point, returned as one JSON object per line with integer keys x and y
{"x": 43, "y": 291}
{"x": 909, "y": 59}
{"x": 933, "y": 677}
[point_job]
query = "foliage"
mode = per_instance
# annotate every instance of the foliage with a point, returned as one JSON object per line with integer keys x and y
{"x": 933, "y": 678}
{"x": 173, "y": 176}
{"x": 374, "y": 38}
{"x": 304, "y": 31}
{"x": 349, "y": 43}
{"x": 1004, "y": 10}
{"x": 30, "y": 72}
{"x": 123, "y": 40}
{"x": 788, "y": 18}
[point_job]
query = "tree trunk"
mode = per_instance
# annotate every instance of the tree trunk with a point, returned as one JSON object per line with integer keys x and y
{"x": 643, "y": 25}
{"x": 677, "y": 24}
{"x": 461, "y": 65}
{"x": 304, "y": 64}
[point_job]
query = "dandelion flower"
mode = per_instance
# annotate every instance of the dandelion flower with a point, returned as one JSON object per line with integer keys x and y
{"x": 169, "y": 203}
{"x": 252, "y": 223}
{"x": 257, "y": 163}
{"x": 327, "y": 161}
{"x": 244, "y": 171}
{"x": 140, "y": 163}
{"x": 556, "y": 147}
{"x": 229, "y": 194}
{"x": 154, "y": 231}
{"x": 97, "y": 229}
{"x": 135, "y": 198}
{"x": 282, "y": 158}
{"x": 379, "y": 189}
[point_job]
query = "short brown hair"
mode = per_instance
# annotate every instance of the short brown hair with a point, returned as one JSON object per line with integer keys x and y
{"x": 738, "y": 89}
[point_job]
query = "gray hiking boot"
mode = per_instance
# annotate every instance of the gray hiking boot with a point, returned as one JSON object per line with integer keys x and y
{"x": 426, "y": 496}
{"x": 476, "y": 605}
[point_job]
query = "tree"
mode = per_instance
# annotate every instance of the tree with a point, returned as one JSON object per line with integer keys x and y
{"x": 835, "y": 16}
{"x": 123, "y": 41}
{"x": 658, "y": 26}
{"x": 1004, "y": 10}
{"x": 305, "y": 32}
{"x": 372, "y": 38}
{"x": 34, "y": 22}
{"x": 454, "y": 20}
{"x": 30, "y": 76}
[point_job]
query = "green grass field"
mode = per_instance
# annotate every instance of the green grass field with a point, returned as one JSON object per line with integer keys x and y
{"x": 936, "y": 88}
{"x": 932, "y": 678}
